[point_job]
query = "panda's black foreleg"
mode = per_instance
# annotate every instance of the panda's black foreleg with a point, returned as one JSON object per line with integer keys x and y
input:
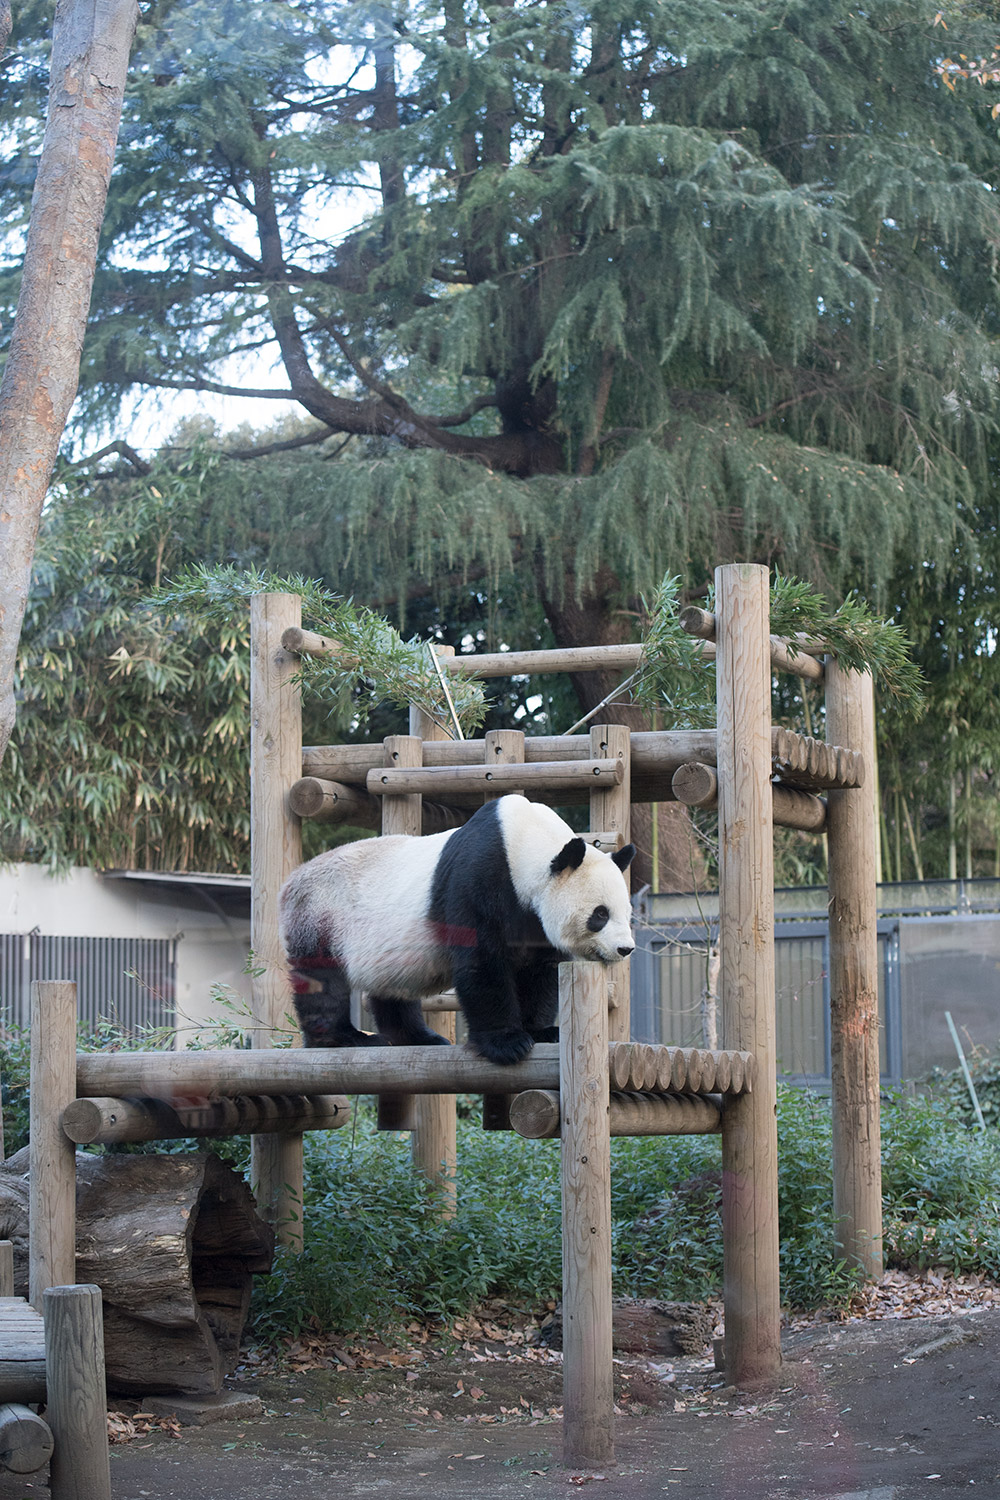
{"x": 538, "y": 995}
{"x": 401, "y": 1023}
{"x": 323, "y": 1005}
{"x": 488, "y": 996}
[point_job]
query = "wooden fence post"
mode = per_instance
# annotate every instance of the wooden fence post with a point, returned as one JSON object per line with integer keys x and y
{"x": 52, "y": 1184}
{"x": 611, "y": 812}
{"x": 504, "y": 747}
{"x": 434, "y": 1142}
{"x": 276, "y": 850}
{"x": 852, "y": 833}
{"x": 76, "y": 1405}
{"x": 400, "y": 815}
{"x": 746, "y": 938}
{"x": 584, "y": 1088}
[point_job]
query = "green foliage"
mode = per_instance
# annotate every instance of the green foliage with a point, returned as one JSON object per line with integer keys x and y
{"x": 950, "y": 1088}
{"x": 941, "y": 1187}
{"x": 377, "y": 665}
{"x": 854, "y": 635}
{"x": 130, "y": 745}
{"x": 379, "y": 1253}
{"x": 677, "y": 679}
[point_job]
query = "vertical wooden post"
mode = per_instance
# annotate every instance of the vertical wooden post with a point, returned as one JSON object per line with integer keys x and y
{"x": 6, "y": 1268}
{"x": 276, "y": 850}
{"x": 852, "y": 834}
{"x": 401, "y": 815}
{"x": 746, "y": 938}
{"x": 76, "y": 1405}
{"x": 584, "y": 1081}
{"x": 434, "y": 1142}
{"x": 52, "y": 1184}
{"x": 504, "y": 747}
{"x": 611, "y": 812}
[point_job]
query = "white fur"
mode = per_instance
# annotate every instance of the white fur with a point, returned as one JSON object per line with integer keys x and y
{"x": 533, "y": 835}
{"x": 375, "y": 894}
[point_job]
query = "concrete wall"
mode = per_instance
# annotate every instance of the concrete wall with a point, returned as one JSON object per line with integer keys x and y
{"x": 211, "y": 924}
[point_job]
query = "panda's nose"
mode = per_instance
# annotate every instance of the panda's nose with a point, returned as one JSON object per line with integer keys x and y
{"x": 624, "y": 952}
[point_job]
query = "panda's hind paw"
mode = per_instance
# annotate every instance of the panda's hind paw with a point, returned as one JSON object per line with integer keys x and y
{"x": 502, "y": 1047}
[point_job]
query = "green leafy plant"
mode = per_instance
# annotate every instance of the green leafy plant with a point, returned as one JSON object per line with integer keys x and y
{"x": 677, "y": 679}
{"x": 375, "y": 665}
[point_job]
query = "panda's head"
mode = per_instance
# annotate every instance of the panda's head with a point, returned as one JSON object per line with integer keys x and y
{"x": 584, "y": 905}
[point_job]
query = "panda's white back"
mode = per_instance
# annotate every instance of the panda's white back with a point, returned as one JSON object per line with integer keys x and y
{"x": 367, "y": 904}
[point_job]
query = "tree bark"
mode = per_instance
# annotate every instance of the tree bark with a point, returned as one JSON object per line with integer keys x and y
{"x": 173, "y": 1242}
{"x": 90, "y": 49}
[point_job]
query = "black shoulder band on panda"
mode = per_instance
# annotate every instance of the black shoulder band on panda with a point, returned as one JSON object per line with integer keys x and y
{"x": 489, "y": 908}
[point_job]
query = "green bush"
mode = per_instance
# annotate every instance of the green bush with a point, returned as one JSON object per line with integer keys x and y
{"x": 951, "y": 1087}
{"x": 941, "y": 1189}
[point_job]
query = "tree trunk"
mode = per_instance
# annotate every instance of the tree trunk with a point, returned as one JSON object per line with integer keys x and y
{"x": 90, "y": 48}
{"x": 173, "y": 1243}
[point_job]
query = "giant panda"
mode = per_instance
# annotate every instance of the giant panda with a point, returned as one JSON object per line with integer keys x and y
{"x": 490, "y": 908}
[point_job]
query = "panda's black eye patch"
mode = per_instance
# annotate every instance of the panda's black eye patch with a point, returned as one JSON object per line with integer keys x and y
{"x": 598, "y": 918}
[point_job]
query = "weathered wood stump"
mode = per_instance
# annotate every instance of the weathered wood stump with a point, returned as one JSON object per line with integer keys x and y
{"x": 647, "y": 1326}
{"x": 173, "y": 1242}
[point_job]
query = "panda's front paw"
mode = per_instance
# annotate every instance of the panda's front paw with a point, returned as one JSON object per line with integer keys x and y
{"x": 502, "y": 1047}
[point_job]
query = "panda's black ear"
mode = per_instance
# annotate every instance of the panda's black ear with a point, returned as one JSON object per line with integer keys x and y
{"x": 570, "y": 856}
{"x": 624, "y": 857}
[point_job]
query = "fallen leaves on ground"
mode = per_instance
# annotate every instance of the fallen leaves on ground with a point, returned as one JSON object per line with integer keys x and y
{"x": 123, "y": 1428}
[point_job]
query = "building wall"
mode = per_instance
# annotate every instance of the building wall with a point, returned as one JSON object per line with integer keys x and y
{"x": 211, "y": 925}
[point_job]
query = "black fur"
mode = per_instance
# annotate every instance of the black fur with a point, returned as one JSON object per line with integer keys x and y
{"x": 503, "y": 967}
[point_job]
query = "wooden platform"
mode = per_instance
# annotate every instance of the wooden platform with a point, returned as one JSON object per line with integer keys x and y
{"x": 22, "y": 1351}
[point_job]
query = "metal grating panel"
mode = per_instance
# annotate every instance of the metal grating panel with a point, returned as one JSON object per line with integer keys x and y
{"x": 129, "y": 981}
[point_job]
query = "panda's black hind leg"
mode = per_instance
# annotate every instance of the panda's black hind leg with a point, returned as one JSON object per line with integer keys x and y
{"x": 401, "y": 1023}
{"x": 323, "y": 1007}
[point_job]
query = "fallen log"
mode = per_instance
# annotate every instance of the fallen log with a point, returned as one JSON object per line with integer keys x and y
{"x": 173, "y": 1242}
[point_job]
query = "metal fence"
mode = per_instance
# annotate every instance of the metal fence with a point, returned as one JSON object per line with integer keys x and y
{"x": 939, "y": 949}
{"x": 130, "y": 981}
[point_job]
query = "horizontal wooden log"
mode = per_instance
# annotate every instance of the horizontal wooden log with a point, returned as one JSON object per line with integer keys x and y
{"x": 309, "y": 643}
{"x": 625, "y": 657}
{"x": 310, "y": 1070}
{"x": 640, "y": 1067}
{"x": 655, "y": 756}
{"x": 535, "y": 1114}
{"x": 549, "y": 775}
{"x": 336, "y": 802}
{"x": 22, "y": 1344}
{"x": 22, "y": 1375}
{"x": 697, "y": 785}
{"x": 25, "y": 1439}
{"x": 785, "y": 657}
{"x": 104, "y": 1122}
{"x": 490, "y": 664}
{"x": 802, "y": 761}
{"x": 361, "y": 1070}
{"x": 173, "y": 1241}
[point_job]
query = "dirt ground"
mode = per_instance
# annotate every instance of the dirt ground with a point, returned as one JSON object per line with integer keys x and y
{"x": 898, "y": 1403}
